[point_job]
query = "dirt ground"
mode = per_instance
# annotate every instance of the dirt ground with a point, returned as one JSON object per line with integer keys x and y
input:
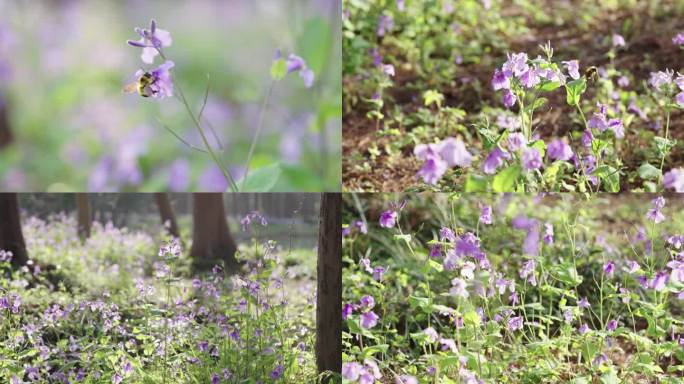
{"x": 649, "y": 48}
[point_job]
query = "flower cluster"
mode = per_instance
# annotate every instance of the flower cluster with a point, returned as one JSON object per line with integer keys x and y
{"x": 157, "y": 82}
{"x": 664, "y": 82}
{"x": 519, "y": 73}
{"x": 438, "y": 157}
{"x": 600, "y": 121}
{"x": 253, "y": 217}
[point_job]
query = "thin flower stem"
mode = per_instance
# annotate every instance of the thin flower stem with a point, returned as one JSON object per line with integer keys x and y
{"x": 181, "y": 139}
{"x": 219, "y": 163}
{"x": 262, "y": 115}
{"x": 667, "y": 131}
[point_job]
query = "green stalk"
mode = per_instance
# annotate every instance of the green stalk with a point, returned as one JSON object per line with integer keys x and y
{"x": 260, "y": 124}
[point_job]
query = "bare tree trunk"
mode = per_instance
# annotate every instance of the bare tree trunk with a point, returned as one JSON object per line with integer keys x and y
{"x": 84, "y": 215}
{"x": 11, "y": 238}
{"x": 5, "y": 132}
{"x": 168, "y": 218}
{"x": 329, "y": 296}
{"x": 211, "y": 239}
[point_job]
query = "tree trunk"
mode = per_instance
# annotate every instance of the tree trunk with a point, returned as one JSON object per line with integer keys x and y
{"x": 5, "y": 132}
{"x": 84, "y": 215}
{"x": 11, "y": 238}
{"x": 211, "y": 239}
{"x": 168, "y": 218}
{"x": 329, "y": 297}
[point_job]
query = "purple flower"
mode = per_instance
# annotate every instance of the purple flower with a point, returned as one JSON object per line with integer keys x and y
{"x": 500, "y": 81}
{"x": 297, "y": 64}
{"x": 458, "y": 288}
{"x": 548, "y": 233}
{"x": 486, "y": 215}
{"x": 587, "y": 138}
{"x": 406, "y": 379}
{"x": 531, "y": 158}
{"x": 436, "y": 250}
{"x": 388, "y": 219}
{"x": 516, "y": 64}
{"x": 161, "y": 84}
{"x": 446, "y": 233}
{"x": 573, "y": 68}
{"x": 385, "y": 24}
{"x": 516, "y": 141}
{"x": 433, "y": 169}
{"x": 494, "y": 160}
{"x": 680, "y": 98}
{"x": 432, "y": 335}
{"x": 583, "y": 303}
{"x": 277, "y": 372}
{"x": 351, "y": 371}
{"x": 509, "y": 98}
{"x": 583, "y": 329}
{"x": 454, "y": 152}
{"x": 367, "y": 302}
{"x": 527, "y": 272}
{"x": 618, "y": 40}
{"x": 609, "y": 269}
{"x": 559, "y": 150}
{"x": 623, "y": 81}
{"x": 655, "y": 213}
{"x": 616, "y": 126}
{"x": 678, "y": 39}
{"x": 660, "y": 280}
{"x": 369, "y": 319}
{"x": 529, "y": 78}
{"x": 388, "y": 69}
{"x": 612, "y": 325}
{"x": 151, "y": 41}
{"x": 378, "y": 273}
{"x": 674, "y": 179}
{"x": 515, "y": 323}
{"x": 116, "y": 379}
{"x": 661, "y": 78}
{"x": 215, "y": 378}
{"x": 347, "y": 311}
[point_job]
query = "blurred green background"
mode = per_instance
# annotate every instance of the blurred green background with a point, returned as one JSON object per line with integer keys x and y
{"x": 63, "y": 65}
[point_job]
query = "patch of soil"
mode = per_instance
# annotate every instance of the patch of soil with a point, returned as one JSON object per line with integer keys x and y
{"x": 649, "y": 49}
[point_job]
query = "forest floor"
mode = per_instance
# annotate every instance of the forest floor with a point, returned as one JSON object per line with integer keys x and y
{"x": 649, "y": 49}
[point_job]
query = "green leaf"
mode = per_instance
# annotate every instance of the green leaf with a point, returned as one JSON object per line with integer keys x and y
{"x": 648, "y": 172}
{"x": 610, "y": 377}
{"x": 568, "y": 274}
{"x": 433, "y": 97}
{"x": 541, "y": 147}
{"x": 372, "y": 350}
{"x": 472, "y": 318}
{"x": 475, "y": 183}
{"x": 574, "y": 90}
{"x": 550, "y": 86}
{"x": 540, "y": 102}
{"x": 262, "y": 179}
{"x": 278, "y": 69}
{"x": 314, "y": 43}
{"x": 505, "y": 180}
{"x": 610, "y": 178}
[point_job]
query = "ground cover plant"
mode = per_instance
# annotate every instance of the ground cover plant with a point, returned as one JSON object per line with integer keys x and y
{"x": 124, "y": 306}
{"x": 523, "y": 96}
{"x": 513, "y": 289}
{"x": 212, "y": 96}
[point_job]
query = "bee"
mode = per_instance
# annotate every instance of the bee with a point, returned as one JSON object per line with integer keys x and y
{"x": 591, "y": 73}
{"x": 141, "y": 86}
